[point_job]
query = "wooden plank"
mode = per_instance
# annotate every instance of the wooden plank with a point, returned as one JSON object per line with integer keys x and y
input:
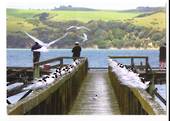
{"x": 128, "y": 57}
{"x": 87, "y": 103}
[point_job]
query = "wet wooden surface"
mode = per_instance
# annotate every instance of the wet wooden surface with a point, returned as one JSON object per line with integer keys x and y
{"x": 96, "y": 96}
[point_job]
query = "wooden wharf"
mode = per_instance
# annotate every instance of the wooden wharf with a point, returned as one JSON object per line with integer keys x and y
{"x": 88, "y": 91}
{"x": 96, "y": 96}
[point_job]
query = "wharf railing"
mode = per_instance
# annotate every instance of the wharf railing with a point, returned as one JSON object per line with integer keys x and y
{"x": 57, "y": 98}
{"x": 149, "y": 75}
{"x": 142, "y": 66}
{"x": 22, "y": 74}
{"x": 132, "y": 100}
{"x": 18, "y": 74}
{"x": 53, "y": 62}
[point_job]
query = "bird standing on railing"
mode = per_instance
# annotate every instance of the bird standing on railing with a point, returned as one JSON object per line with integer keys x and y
{"x": 127, "y": 77}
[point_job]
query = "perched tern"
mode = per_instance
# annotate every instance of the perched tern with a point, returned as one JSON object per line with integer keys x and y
{"x": 127, "y": 77}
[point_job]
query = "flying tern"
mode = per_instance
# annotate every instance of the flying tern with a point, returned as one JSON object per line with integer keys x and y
{"x": 84, "y": 37}
{"x": 45, "y": 46}
{"x": 78, "y": 27}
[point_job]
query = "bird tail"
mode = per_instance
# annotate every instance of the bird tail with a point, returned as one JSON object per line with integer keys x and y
{"x": 147, "y": 83}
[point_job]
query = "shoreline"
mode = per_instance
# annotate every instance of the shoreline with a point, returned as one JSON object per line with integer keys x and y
{"x": 132, "y": 48}
{"x": 90, "y": 48}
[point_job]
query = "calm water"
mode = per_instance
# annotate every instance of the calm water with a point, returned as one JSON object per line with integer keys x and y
{"x": 162, "y": 90}
{"x": 97, "y": 58}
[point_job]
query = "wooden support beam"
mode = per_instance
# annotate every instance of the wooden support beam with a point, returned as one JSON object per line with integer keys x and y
{"x": 36, "y": 71}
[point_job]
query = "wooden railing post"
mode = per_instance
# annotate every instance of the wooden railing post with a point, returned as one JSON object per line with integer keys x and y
{"x": 36, "y": 71}
{"x": 132, "y": 62}
{"x": 151, "y": 87}
{"x": 147, "y": 64}
{"x": 61, "y": 61}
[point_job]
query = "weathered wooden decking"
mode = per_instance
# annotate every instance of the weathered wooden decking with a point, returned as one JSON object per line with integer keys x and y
{"x": 96, "y": 96}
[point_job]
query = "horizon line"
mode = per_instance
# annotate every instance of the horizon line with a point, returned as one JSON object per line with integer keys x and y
{"x": 86, "y": 8}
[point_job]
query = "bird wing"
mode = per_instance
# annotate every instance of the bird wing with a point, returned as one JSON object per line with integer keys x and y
{"x": 147, "y": 83}
{"x": 17, "y": 97}
{"x": 57, "y": 39}
{"x": 35, "y": 39}
{"x": 83, "y": 27}
{"x": 70, "y": 27}
{"x": 84, "y": 37}
{"x": 42, "y": 49}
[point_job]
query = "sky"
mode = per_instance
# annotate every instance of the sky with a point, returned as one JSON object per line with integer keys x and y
{"x": 96, "y": 4}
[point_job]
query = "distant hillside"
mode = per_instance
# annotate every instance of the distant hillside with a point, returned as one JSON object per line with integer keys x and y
{"x": 147, "y": 9}
{"x": 155, "y": 20}
{"x": 69, "y": 7}
{"x": 109, "y": 29}
{"x": 66, "y": 15}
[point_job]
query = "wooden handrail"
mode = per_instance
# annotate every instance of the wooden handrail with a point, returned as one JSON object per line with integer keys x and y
{"x": 60, "y": 59}
{"x": 149, "y": 105}
{"x": 133, "y": 100}
{"x": 57, "y": 98}
{"x": 148, "y": 69}
{"x": 128, "y": 56}
{"x": 132, "y": 60}
{"x": 48, "y": 61}
{"x": 18, "y": 72}
{"x": 55, "y": 59}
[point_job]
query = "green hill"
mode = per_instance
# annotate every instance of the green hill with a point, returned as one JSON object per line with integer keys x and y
{"x": 109, "y": 29}
{"x": 155, "y": 21}
{"x": 20, "y": 19}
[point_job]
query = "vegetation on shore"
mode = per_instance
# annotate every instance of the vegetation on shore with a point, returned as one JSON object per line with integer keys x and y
{"x": 109, "y": 29}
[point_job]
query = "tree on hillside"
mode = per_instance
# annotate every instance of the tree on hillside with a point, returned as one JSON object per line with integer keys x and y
{"x": 118, "y": 33}
{"x": 43, "y": 16}
{"x": 156, "y": 36}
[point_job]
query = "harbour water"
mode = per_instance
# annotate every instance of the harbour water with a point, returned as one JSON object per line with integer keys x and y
{"x": 96, "y": 57}
{"x": 162, "y": 90}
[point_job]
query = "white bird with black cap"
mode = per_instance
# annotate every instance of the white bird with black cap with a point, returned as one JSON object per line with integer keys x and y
{"x": 127, "y": 77}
